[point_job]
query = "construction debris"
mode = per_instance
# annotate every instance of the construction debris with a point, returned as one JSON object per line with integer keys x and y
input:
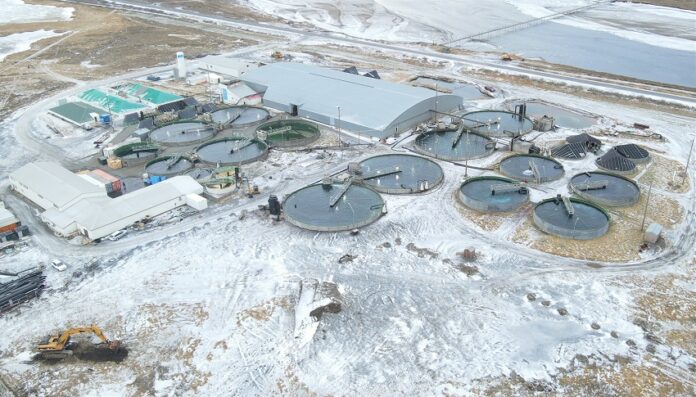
{"x": 316, "y": 298}
{"x": 20, "y": 290}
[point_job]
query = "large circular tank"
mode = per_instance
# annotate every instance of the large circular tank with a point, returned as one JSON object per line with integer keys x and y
{"x": 588, "y": 221}
{"x": 168, "y": 166}
{"x": 454, "y": 146}
{"x": 184, "y": 133}
{"x": 562, "y": 117}
{"x": 311, "y": 207}
{"x": 200, "y": 174}
{"x": 136, "y": 153}
{"x": 401, "y": 173}
{"x": 240, "y": 116}
{"x": 492, "y": 194}
{"x": 232, "y": 151}
{"x": 288, "y": 132}
{"x": 605, "y": 189}
{"x": 498, "y": 123}
{"x": 531, "y": 168}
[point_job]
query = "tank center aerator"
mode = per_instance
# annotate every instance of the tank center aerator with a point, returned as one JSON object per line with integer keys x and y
{"x": 596, "y": 185}
{"x": 535, "y": 170}
{"x": 502, "y": 188}
{"x": 568, "y": 206}
{"x": 381, "y": 173}
{"x": 344, "y": 189}
{"x": 243, "y": 143}
{"x": 173, "y": 160}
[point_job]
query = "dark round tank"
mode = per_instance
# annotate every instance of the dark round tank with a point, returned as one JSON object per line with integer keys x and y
{"x": 288, "y": 132}
{"x": 232, "y": 151}
{"x": 521, "y": 167}
{"x": 587, "y": 221}
{"x": 498, "y": 123}
{"x": 453, "y": 146}
{"x": 184, "y": 133}
{"x": 493, "y": 194}
{"x": 168, "y": 166}
{"x": 401, "y": 173}
{"x": 310, "y": 207}
{"x": 605, "y": 189}
{"x": 240, "y": 116}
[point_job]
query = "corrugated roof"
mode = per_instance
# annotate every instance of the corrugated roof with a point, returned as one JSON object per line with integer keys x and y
{"x": 364, "y": 101}
{"x": 632, "y": 151}
{"x": 613, "y": 161}
{"x": 94, "y": 213}
{"x": 54, "y": 183}
{"x": 78, "y": 112}
{"x": 571, "y": 151}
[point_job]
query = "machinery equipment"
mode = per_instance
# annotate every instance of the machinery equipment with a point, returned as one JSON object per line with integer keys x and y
{"x": 59, "y": 347}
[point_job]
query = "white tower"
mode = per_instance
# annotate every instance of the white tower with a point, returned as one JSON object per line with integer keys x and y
{"x": 180, "y": 65}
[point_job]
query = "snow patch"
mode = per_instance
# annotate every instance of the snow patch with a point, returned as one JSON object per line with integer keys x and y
{"x": 19, "y": 42}
{"x": 16, "y": 11}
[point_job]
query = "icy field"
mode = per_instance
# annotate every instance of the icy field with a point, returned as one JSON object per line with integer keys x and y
{"x": 18, "y": 42}
{"x": 17, "y": 11}
{"x": 207, "y": 306}
{"x": 436, "y": 21}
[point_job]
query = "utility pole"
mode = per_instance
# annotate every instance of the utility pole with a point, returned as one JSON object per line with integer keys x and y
{"x": 688, "y": 161}
{"x": 647, "y": 202}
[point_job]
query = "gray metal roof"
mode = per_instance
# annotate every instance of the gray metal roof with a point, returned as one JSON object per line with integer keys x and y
{"x": 364, "y": 101}
{"x": 77, "y": 112}
{"x": 54, "y": 183}
{"x": 95, "y": 213}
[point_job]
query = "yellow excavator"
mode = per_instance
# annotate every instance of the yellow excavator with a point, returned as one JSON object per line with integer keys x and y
{"x": 58, "y": 347}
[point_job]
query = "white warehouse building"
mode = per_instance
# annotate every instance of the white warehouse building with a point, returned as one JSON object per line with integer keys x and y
{"x": 75, "y": 206}
{"x": 368, "y": 106}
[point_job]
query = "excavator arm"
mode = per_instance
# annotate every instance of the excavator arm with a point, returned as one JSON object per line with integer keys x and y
{"x": 58, "y": 343}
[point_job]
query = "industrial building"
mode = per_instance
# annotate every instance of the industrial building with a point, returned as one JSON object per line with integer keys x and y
{"x": 74, "y": 205}
{"x": 8, "y": 222}
{"x": 360, "y": 104}
{"x": 77, "y": 113}
{"x": 226, "y": 66}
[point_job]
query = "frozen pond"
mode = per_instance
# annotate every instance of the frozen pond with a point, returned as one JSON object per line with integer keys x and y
{"x": 467, "y": 91}
{"x": 602, "y": 52}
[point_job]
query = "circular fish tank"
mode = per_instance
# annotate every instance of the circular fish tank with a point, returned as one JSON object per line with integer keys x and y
{"x": 240, "y": 116}
{"x": 492, "y": 194}
{"x": 563, "y": 117}
{"x": 571, "y": 218}
{"x": 454, "y": 145}
{"x": 232, "y": 151}
{"x": 497, "y": 123}
{"x": 400, "y": 173}
{"x": 605, "y": 189}
{"x": 180, "y": 134}
{"x": 531, "y": 168}
{"x": 333, "y": 207}
{"x": 200, "y": 174}
{"x": 137, "y": 153}
{"x": 288, "y": 133}
{"x": 168, "y": 166}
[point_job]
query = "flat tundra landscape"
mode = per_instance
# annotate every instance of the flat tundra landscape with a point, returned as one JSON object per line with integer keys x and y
{"x": 350, "y": 198}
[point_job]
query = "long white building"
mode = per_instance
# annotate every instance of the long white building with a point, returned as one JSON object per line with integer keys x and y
{"x": 75, "y": 206}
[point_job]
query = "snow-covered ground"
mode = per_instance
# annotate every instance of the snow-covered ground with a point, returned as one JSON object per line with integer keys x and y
{"x": 18, "y": 42}
{"x": 17, "y": 11}
{"x": 433, "y": 20}
{"x": 207, "y": 306}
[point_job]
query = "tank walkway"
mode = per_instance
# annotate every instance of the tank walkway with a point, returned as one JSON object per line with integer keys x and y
{"x": 523, "y": 25}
